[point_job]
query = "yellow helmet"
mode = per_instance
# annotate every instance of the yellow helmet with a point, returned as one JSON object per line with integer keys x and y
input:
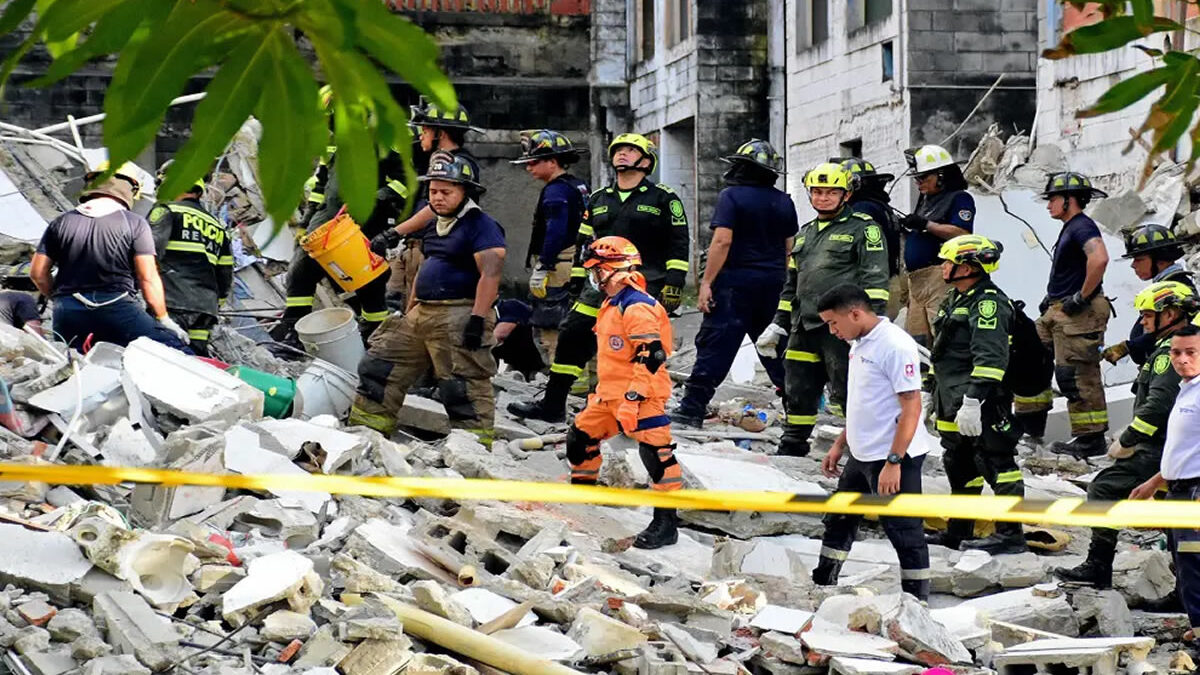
{"x": 828, "y": 175}
{"x": 641, "y": 143}
{"x": 1163, "y": 294}
{"x": 972, "y": 249}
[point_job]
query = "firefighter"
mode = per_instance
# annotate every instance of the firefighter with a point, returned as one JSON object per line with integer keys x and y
{"x": 839, "y": 246}
{"x": 1165, "y": 307}
{"x": 633, "y": 336}
{"x": 967, "y": 391}
{"x": 450, "y": 326}
{"x": 753, "y": 228}
{"x": 195, "y": 261}
{"x": 869, "y": 196}
{"x": 944, "y": 210}
{"x": 1074, "y": 316}
{"x": 547, "y": 155}
{"x": 1153, "y": 252}
{"x": 650, "y": 215}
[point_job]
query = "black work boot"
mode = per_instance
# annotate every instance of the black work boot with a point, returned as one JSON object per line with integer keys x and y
{"x": 1082, "y": 447}
{"x": 1033, "y": 423}
{"x": 956, "y": 531}
{"x": 1091, "y": 572}
{"x": 684, "y": 418}
{"x": 793, "y": 447}
{"x": 1008, "y": 538}
{"x": 826, "y": 572}
{"x": 662, "y": 531}
{"x": 551, "y": 407}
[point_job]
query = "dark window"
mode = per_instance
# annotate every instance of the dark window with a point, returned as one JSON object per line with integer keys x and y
{"x": 851, "y": 148}
{"x": 889, "y": 63}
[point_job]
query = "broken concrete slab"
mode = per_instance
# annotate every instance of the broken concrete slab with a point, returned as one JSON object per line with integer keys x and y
{"x": 44, "y": 561}
{"x": 598, "y": 634}
{"x": 825, "y": 641}
{"x": 286, "y": 625}
{"x": 782, "y": 619}
{"x": 696, "y": 650}
{"x": 121, "y": 664}
{"x": 1101, "y": 655}
{"x": 187, "y": 387}
{"x": 387, "y": 547}
{"x": 484, "y": 605}
{"x": 244, "y": 453}
{"x": 295, "y": 525}
{"x": 431, "y": 597}
{"x": 378, "y": 657}
{"x": 322, "y": 649}
{"x": 133, "y": 628}
{"x": 1143, "y": 576}
{"x": 279, "y": 576}
{"x": 845, "y": 665}
{"x": 339, "y": 447}
{"x": 71, "y": 623}
{"x": 541, "y": 642}
{"x": 53, "y": 662}
{"x": 1102, "y": 613}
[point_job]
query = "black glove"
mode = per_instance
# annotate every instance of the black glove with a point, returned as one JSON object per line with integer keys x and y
{"x": 473, "y": 333}
{"x": 575, "y": 286}
{"x": 1074, "y": 305}
{"x": 385, "y": 240}
{"x": 1044, "y": 305}
{"x": 914, "y": 223}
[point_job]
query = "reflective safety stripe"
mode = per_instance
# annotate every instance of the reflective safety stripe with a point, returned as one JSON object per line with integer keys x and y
{"x": 785, "y": 305}
{"x": 916, "y": 575}
{"x": 578, "y": 272}
{"x": 681, "y": 265}
{"x": 833, "y": 553}
{"x": 485, "y": 436}
{"x": 878, "y": 294}
{"x": 988, "y": 373}
{"x": 225, "y": 260}
{"x": 191, "y": 247}
{"x": 835, "y": 410}
{"x": 791, "y": 263}
{"x": 1188, "y": 547}
{"x": 1143, "y": 426}
{"x": 299, "y": 301}
{"x": 1089, "y": 417}
{"x": 197, "y": 334}
{"x": 316, "y": 198}
{"x": 646, "y": 336}
{"x": 586, "y": 230}
{"x": 566, "y": 369}
{"x": 375, "y": 316}
{"x": 1044, "y": 397}
{"x": 802, "y": 420}
{"x": 946, "y": 425}
{"x": 798, "y": 355}
{"x": 976, "y": 482}
{"x": 381, "y": 423}
{"x": 1009, "y": 476}
{"x": 398, "y": 187}
{"x": 586, "y": 310}
{"x": 961, "y": 310}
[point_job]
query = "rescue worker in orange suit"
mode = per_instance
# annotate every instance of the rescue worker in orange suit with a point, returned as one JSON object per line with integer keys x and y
{"x": 633, "y": 339}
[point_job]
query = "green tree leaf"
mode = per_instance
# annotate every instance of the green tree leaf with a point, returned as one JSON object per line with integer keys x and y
{"x": 110, "y": 34}
{"x": 1143, "y": 12}
{"x": 1127, "y": 92}
{"x": 15, "y": 13}
{"x": 1106, "y": 35}
{"x": 64, "y": 18}
{"x": 407, "y": 50}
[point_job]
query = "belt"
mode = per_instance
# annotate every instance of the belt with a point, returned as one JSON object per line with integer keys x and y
{"x": 97, "y": 305}
{"x": 1182, "y": 484}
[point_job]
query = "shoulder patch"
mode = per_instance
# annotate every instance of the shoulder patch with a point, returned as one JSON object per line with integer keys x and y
{"x": 874, "y": 237}
{"x": 158, "y": 213}
{"x": 676, "y": 208}
{"x": 665, "y": 188}
{"x": 861, "y": 216}
{"x": 1161, "y": 363}
{"x": 966, "y": 214}
{"x": 987, "y": 308}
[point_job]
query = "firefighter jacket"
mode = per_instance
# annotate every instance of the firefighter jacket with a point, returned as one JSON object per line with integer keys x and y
{"x": 849, "y": 248}
{"x": 970, "y": 353}
{"x": 652, "y": 217}
{"x": 195, "y": 258}
{"x": 391, "y": 196}
{"x": 1141, "y": 344}
{"x": 633, "y": 339}
{"x": 556, "y": 220}
{"x": 1155, "y": 389}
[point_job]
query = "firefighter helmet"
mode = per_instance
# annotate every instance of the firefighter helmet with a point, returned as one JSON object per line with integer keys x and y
{"x": 612, "y": 253}
{"x": 641, "y": 143}
{"x": 972, "y": 249}
{"x": 1070, "y": 182}
{"x": 453, "y": 169}
{"x": 1150, "y": 238}
{"x": 861, "y": 170}
{"x": 757, "y": 152}
{"x": 545, "y": 144}
{"x": 927, "y": 159}
{"x": 1163, "y": 294}
{"x": 428, "y": 114}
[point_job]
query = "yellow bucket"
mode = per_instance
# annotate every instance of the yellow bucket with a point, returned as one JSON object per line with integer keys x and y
{"x": 341, "y": 248}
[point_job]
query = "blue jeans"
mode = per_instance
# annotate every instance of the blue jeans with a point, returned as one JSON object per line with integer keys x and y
{"x": 120, "y": 322}
{"x": 737, "y": 310}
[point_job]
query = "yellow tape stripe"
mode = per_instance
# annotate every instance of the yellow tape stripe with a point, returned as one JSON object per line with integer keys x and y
{"x": 1074, "y": 511}
{"x": 946, "y": 425}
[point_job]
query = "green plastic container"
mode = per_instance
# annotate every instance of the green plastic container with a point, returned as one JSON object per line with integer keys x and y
{"x": 279, "y": 392}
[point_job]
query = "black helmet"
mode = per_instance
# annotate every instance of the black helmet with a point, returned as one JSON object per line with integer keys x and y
{"x": 1152, "y": 238}
{"x": 758, "y": 152}
{"x": 428, "y": 114}
{"x": 861, "y": 169}
{"x": 545, "y": 143}
{"x": 1070, "y": 182}
{"x": 453, "y": 169}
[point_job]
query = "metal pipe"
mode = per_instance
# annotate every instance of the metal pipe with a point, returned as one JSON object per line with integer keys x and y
{"x": 61, "y": 126}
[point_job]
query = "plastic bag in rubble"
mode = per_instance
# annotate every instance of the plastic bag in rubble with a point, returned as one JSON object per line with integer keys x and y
{"x": 745, "y": 416}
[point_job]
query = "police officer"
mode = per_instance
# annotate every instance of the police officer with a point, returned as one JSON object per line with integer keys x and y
{"x": 944, "y": 210}
{"x": 753, "y": 227}
{"x": 1074, "y": 316}
{"x": 648, "y": 214}
{"x": 547, "y": 155}
{"x": 1165, "y": 307}
{"x": 969, "y": 358}
{"x": 195, "y": 261}
{"x": 450, "y": 325}
{"x": 869, "y": 196}
{"x": 1153, "y": 251}
{"x": 839, "y": 246}
{"x": 633, "y": 335}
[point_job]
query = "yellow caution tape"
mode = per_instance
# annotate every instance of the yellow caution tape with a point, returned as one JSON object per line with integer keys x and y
{"x": 1075, "y": 511}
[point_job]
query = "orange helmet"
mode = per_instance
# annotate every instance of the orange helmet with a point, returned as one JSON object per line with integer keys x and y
{"x": 613, "y": 254}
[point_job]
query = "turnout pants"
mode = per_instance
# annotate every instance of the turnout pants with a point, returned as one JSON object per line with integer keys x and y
{"x": 989, "y": 458}
{"x": 1114, "y": 483}
{"x": 813, "y": 357}
{"x": 303, "y": 276}
{"x": 926, "y": 291}
{"x": 906, "y": 534}
{"x": 598, "y": 421}
{"x": 1185, "y": 549}
{"x": 198, "y": 325}
{"x": 406, "y": 347}
{"x": 404, "y": 269}
{"x": 550, "y": 311}
{"x": 737, "y": 311}
{"x": 109, "y": 318}
{"x": 1076, "y": 342}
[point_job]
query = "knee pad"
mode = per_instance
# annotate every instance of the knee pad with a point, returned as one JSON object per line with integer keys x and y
{"x": 454, "y": 397}
{"x": 373, "y": 375}
{"x": 580, "y": 446}
{"x": 1065, "y": 376}
{"x": 655, "y": 465}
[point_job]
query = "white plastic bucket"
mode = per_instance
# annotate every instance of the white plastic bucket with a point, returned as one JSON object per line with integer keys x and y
{"x": 332, "y": 334}
{"x": 324, "y": 389}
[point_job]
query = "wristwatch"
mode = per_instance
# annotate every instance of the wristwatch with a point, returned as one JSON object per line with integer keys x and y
{"x": 893, "y": 458}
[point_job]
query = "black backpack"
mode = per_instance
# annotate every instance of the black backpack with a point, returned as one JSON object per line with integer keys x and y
{"x": 1030, "y": 364}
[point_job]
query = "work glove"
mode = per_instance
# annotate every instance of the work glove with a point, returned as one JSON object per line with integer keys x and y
{"x": 473, "y": 333}
{"x": 672, "y": 296}
{"x": 1118, "y": 451}
{"x": 537, "y": 283}
{"x": 627, "y": 414}
{"x": 1074, "y": 305}
{"x": 388, "y": 239}
{"x": 914, "y": 223}
{"x": 575, "y": 285}
{"x": 768, "y": 343}
{"x": 169, "y": 323}
{"x": 1044, "y": 305}
{"x": 1114, "y": 353}
{"x": 970, "y": 417}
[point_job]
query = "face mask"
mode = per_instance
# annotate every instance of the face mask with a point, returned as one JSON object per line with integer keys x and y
{"x": 595, "y": 285}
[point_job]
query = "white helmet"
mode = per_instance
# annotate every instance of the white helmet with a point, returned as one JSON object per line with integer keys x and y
{"x": 928, "y": 158}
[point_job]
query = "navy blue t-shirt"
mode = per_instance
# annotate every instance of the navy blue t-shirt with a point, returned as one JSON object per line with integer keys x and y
{"x": 762, "y": 218}
{"x": 1069, "y": 267}
{"x": 921, "y": 248}
{"x": 449, "y": 271}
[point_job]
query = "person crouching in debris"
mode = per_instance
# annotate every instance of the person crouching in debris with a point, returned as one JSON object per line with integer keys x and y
{"x": 104, "y": 252}
{"x": 633, "y": 339}
{"x": 884, "y": 432}
{"x": 449, "y": 327}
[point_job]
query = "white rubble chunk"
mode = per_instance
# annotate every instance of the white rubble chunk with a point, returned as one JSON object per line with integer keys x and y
{"x": 47, "y": 561}
{"x": 782, "y": 619}
{"x": 1099, "y": 655}
{"x": 244, "y": 454}
{"x": 278, "y": 576}
{"x": 485, "y": 605}
{"x": 94, "y": 383}
{"x": 340, "y": 447}
{"x": 696, "y": 650}
{"x": 845, "y": 665}
{"x": 188, "y": 387}
{"x": 599, "y": 635}
{"x": 286, "y": 625}
{"x": 710, "y": 472}
{"x": 541, "y": 642}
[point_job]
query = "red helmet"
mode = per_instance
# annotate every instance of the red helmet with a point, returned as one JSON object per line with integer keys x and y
{"x": 612, "y": 253}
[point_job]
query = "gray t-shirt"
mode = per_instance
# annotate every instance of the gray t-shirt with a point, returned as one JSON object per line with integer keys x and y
{"x": 17, "y": 308}
{"x": 95, "y": 253}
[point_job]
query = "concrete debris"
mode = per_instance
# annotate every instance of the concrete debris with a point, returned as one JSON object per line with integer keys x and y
{"x": 1101, "y": 656}
{"x": 598, "y": 634}
{"x": 286, "y": 576}
{"x": 1143, "y": 577}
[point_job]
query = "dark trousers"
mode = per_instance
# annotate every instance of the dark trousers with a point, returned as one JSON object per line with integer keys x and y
{"x": 1115, "y": 483}
{"x": 989, "y": 458}
{"x": 813, "y": 357}
{"x": 304, "y": 274}
{"x": 1185, "y": 549}
{"x": 737, "y": 311}
{"x": 120, "y": 322}
{"x": 906, "y": 534}
{"x": 199, "y": 327}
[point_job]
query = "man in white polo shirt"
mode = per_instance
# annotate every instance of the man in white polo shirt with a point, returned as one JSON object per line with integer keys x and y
{"x": 1180, "y": 472}
{"x": 885, "y": 433}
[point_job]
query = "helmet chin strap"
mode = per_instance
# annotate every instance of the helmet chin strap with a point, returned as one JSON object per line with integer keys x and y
{"x": 841, "y": 204}
{"x": 622, "y": 168}
{"x": 977, "y": 273}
